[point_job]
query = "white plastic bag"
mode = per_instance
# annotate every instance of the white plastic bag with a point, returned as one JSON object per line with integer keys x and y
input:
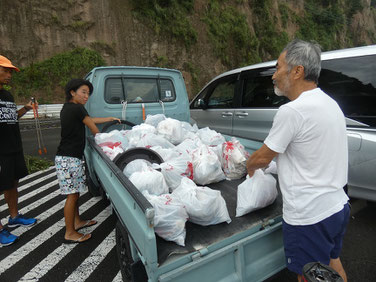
{"x": 166, "y": 154}
{"x": 111, "y": 149}
{"x": 171, "y": 129}
{"x": 234, "y": 159}
{"x": 256, "y": 192}
{"x": 136, "y": 166}
{"x": 210, "y": 137}
{"x": 111, "y": 137}
{"x": 205, "y": 206}
{"x": 189, "y": 145}
{"x": 137, "y": 132}
{"x": 169, "y": 218}
{"x": 150, "y": 139}
{"x": 151, "y": 181}
{"x": 175, "y": 169}
{"x": 271, "y": 168}
{"x": 154, "y": 120}
{"x": 206, "y": 166}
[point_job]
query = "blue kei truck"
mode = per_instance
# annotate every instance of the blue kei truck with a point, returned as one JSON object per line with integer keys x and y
{"x": 250, "y": 248}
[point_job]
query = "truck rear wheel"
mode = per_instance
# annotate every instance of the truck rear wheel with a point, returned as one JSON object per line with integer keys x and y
{"x": 123, "y": 251}
{"x": 130, "y": 271}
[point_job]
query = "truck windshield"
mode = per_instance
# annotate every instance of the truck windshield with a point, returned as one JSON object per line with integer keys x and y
{"x": 138, "y": 90}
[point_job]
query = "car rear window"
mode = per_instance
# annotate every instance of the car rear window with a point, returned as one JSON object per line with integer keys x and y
{"x": 138, "y": 90}
{"x": 351, "y": 82}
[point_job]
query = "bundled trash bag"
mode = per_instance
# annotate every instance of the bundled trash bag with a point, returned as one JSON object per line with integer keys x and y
{"x": 172, "y": 130}
{"x": 150, "y": 139}
{"x": 134, "y": 135}
{"x": 206, "y": 166}
{"x": 111, "y": 149}
{"x": 150, "y": 180}
{"x": 115, "y": 136}
{"x": 189, "y": 145}
{"x": 170, "y": 217}
{"x": 174, "y": 170}
{"x": 187, "y": 126}
{"x": 205, "y": 206}
{"x": 234, "y": 159}
{"x": 166, "y": 154}
{"x": 137, "y": 166}
{"x": 210, "y": 137}
{"x": 256, "y": 192}
{"x": 154, "y": 120}
{"x": 272, "y": 168}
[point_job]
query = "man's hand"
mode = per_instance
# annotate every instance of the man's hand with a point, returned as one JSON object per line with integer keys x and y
{"x": 29, "y": 105}
{"x": 259, "y": 159}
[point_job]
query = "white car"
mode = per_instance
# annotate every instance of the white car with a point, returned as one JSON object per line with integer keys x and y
{"x": 242, "y": 103}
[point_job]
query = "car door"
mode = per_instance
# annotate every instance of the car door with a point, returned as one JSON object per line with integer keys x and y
{"x": 214, "y": 106}
{"x": 256, "y": 104}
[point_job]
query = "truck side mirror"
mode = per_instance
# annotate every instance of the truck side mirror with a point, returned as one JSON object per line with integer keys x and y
{"x": 201, "y": 104}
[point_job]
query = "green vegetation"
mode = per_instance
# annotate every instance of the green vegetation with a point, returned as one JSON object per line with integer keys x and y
{"x": 271, "y": 40}
{"x": 195, "y": 73}
{"x": 322, "y": 23}
{"x": 168, "y": 17}
{"x": 43, "y": 78}
{"x": 161, "y": 62}
{"x": 230, "y": 35}
{"x": 35, "y": 164}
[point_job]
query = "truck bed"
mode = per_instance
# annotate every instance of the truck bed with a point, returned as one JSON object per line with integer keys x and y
{"x": 199, "y": 237}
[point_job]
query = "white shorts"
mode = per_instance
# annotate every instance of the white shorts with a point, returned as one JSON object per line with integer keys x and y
{"x": 70, "y": 174}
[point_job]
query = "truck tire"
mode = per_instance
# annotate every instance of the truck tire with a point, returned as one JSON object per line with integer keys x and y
{"x": 94, "y": 190}
{"x": 111, "y": 123}
{"x": 130, "y": 271}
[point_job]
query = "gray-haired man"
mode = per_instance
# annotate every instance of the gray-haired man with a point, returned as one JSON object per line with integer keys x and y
{"x": 309, "y": 141}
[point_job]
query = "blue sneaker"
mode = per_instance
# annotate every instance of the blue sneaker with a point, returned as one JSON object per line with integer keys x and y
{"x": 6, "y": 238}
{"x": 21, "y": 220}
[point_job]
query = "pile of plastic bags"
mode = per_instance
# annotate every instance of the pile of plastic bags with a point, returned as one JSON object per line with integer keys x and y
{"x": 191, "y": 157}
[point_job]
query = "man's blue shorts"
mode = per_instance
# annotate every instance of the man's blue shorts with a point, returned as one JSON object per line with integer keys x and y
{"x": 317, "y": 242}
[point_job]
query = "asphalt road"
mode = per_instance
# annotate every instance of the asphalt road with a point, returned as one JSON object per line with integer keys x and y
{"x": 358, "y": 253}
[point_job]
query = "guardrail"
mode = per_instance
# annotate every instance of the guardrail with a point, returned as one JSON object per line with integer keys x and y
{"x": 44, "y": 111}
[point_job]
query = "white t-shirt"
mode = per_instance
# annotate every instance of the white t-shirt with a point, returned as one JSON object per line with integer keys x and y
{"x": 309, "y": 134}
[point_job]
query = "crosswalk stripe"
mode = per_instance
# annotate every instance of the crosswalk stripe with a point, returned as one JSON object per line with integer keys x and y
{"x": 39, "y": 202}
{"x": 13, "y": 258}
{"x": 29, "y": 195}
{"x": 118, "y": 277}
{"x": 91, "y": 262}
{"x": 36, "y": 174}
{"x": 53, "y": 258}
{"x": 39, "y": 180}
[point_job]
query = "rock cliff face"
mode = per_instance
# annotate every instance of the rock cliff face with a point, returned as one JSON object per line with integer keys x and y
{"x": 34, "y": 30}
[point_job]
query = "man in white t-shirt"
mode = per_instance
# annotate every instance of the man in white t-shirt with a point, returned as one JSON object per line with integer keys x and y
{"x": 308, "y": 139}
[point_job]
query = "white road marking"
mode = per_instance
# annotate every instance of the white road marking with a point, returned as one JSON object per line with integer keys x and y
{"x": 36, "y": 181}
{"x": 13, "y": 258}
{"x": 58, "y": 254}
{"x": 118, "y": 278}
{"x": 36, "y": 173}
{"x": 93, "y": 260}
{"x": 39, "y": 202}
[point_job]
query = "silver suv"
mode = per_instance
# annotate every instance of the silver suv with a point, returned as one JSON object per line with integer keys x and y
{"x": 242, "y": 103}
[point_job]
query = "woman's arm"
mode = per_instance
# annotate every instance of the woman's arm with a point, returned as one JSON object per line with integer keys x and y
{"x": 104, "y": 119}
{"x": 88, "y": 121}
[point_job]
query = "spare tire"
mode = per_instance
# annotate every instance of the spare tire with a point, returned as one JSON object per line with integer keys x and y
{"x": 125, "y": 158}
{"x": 114, "y": 122}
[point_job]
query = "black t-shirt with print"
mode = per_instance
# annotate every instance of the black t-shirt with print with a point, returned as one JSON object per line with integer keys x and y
{"x": 72, "y": 142}
{"x": 10, "y": 136}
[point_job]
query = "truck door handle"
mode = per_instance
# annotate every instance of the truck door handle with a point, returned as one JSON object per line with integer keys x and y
{"x": 241, "y": 114}
{"x": 226, "y": 114}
